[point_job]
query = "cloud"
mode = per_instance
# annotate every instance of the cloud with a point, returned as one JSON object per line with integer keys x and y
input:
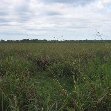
{"x": 23, "y": 11}
{"x": 105, "y": 2}
{"x": 74, "y": 2}
{"x": 55, "y": 17}
{"x": 3, "y": 13}
{"x": 52, "y": 13}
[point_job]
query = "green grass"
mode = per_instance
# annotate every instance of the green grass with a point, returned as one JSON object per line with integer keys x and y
{"x": 55, "y": 77}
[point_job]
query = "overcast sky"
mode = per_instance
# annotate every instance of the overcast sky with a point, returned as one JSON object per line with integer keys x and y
{"x": 55, "y": 19}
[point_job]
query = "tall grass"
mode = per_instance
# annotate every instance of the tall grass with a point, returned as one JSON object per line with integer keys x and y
{"x": 55, "y": 77}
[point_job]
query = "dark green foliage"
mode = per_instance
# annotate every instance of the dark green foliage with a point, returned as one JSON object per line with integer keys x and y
{"x": 64, "y": 70}
{"x": 55, "y": 77}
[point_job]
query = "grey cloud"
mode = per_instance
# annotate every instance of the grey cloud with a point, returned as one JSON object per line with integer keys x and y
{"x": 4, "y": 20}
{"x": 24, "y": 16}
{"x": 3, "y": 13}
{"x": 52, "y": 13}
{"x": 23, "y": 11}
{"x": 74, "y": 2}
{"x": 4, "y": 24}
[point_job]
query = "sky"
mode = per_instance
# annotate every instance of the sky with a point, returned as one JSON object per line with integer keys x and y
{"x": 55, "y": 19}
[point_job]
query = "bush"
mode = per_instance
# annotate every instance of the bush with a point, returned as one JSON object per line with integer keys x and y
{"x": 65, "y": 69}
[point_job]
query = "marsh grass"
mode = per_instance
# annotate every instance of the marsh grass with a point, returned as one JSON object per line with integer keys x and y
{"x": 55, "y": 77}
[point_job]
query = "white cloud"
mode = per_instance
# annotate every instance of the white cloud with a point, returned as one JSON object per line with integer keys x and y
{"x": 106, "y": 1}
{"x": 57, "y": 18}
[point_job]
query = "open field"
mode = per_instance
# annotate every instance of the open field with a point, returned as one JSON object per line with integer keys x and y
{"x": 55, "y": 77}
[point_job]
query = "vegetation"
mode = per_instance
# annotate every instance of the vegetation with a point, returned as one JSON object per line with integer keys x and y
{"x": 55, "y": 76}
{"x": 54, "y": 41}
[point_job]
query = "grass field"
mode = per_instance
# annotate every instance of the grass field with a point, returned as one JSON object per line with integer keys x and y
{"x": 55, "y": 77}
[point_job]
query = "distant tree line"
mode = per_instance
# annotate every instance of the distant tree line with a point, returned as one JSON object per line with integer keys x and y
{"x": 54, "y": 41}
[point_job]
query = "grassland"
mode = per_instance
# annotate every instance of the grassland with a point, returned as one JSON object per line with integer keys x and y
{"x": 55, "y": 77}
